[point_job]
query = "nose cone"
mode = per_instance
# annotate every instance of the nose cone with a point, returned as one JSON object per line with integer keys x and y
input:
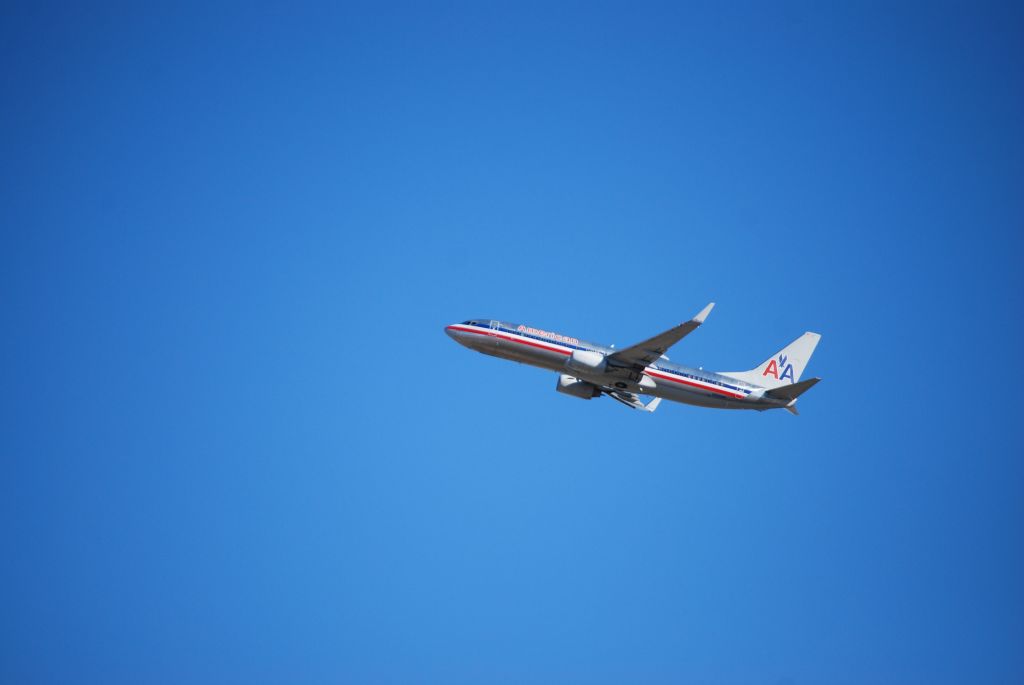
{"x": 457, "y": 333}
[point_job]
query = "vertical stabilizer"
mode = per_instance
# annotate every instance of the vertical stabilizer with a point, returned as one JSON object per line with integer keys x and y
{"x": 784, "y": 367}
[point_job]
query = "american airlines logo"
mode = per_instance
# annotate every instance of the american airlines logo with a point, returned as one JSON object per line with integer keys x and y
{"x": 548, "y": 334}
{"x": 773, "y": 369}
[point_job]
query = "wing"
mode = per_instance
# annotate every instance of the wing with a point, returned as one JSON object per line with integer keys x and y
{"x": 650, "y": 350}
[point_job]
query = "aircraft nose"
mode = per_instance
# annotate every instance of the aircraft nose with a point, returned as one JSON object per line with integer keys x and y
{"x": 452, "y": 333}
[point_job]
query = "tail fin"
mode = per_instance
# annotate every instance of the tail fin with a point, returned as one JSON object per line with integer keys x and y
{"x": 784, "y": 367}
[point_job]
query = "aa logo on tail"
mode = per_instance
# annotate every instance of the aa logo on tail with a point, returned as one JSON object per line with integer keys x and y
{"x": 773, "y": 369}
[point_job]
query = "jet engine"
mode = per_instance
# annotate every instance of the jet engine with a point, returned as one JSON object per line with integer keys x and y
{"x": 577, "y": 388}
{"x": 586, "y": 361}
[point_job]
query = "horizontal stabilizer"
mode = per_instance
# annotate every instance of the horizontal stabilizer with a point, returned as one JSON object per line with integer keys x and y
{"x": 792, "y": 391}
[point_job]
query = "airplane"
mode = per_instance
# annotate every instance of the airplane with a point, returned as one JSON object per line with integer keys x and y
{"x": 587, "y": 370}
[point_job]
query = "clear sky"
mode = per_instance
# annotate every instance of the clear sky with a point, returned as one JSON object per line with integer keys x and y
{"x": 237, "y": 446}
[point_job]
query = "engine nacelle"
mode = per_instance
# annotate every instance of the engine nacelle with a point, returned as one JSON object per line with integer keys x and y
{"x": 575, "y": 387}
{"x": 586, "y": 361}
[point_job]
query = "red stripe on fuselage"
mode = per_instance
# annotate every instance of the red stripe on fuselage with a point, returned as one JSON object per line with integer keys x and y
{"x": 493, "y": 334}
{"x": 691, "y": 383}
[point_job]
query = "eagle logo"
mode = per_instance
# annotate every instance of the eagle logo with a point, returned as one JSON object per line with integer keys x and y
{"x": 773, "y": 369}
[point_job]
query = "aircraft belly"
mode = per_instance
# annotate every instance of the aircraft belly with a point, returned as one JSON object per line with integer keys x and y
{"x": 698, "y": 398}
{"x": 531, "y": 355}
{"x": 555, "y": 361}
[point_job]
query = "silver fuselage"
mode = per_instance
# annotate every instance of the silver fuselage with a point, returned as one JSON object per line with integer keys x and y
{"x": 664, "y": 379}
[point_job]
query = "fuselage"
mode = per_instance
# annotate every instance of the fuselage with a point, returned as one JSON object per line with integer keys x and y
{"x": 552, "y": 351}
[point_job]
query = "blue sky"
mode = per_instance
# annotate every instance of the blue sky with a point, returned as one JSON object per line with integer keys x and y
{"x": 238, "y": 447}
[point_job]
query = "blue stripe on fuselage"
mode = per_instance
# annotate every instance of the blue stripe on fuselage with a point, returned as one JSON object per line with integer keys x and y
{"x": 688, "y": 373}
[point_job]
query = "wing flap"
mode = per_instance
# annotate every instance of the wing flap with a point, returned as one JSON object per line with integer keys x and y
{"x": 631, "y": 400}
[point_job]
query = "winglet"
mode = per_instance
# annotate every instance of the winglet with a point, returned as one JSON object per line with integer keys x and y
{"x": 653, "y": 404}
{"x": 699, "y": 319}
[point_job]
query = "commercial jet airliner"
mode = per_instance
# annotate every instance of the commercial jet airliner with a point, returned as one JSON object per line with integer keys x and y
{"x": 587, "y": 370}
